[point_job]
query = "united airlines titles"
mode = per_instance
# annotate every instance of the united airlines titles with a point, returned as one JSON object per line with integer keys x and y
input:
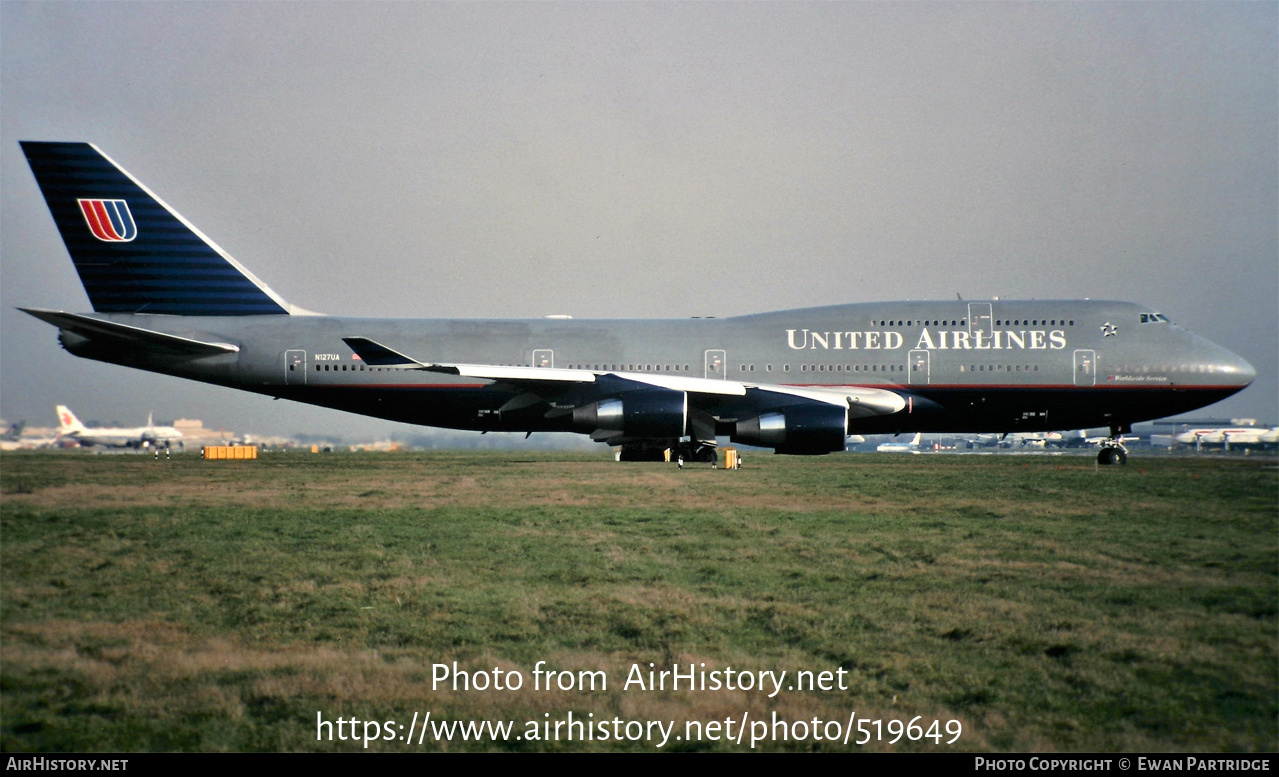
{"x": 929, "y": 339}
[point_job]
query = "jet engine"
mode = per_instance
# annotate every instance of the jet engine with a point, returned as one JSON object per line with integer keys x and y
{"x": 657, "y": 413}
{"x": 801, "y": 430}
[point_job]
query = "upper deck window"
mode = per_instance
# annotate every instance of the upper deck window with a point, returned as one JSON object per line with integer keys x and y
{"x": 1153, "y": 318}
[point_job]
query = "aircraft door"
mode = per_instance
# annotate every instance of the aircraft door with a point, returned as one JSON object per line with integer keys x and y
{"x": 716, "y": 365}
{"x": 295, "y": 368}
{"x": 1085, "y": 368}
{"x": 543, "y": 357}
{"x": 918, "y": 368}
{"x": 980, "y": 319}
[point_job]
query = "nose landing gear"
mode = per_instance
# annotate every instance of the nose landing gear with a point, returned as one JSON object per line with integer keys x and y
{"x": 1113, "y": 451}
{"x": 1109, "y": 456}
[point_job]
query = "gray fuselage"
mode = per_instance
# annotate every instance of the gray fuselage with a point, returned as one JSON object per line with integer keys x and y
{"x": 996, "y": 366}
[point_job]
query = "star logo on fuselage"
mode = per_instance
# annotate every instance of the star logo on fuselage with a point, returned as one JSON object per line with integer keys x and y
{"x": 1109, "y": 330}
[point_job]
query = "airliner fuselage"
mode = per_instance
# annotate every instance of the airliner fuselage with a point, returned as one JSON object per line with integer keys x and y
{"x": 1001, "y": 366}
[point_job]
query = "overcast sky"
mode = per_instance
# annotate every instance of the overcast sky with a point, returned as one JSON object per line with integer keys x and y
{"x": 651, "y": 160}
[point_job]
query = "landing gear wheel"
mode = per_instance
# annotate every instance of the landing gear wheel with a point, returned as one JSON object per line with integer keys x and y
{"x": 707, "y": 455}
{"x": 1109, "y": 456}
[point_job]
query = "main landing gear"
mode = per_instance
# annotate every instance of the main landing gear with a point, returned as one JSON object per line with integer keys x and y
{"x": 1113, "y": 451}
{"x": 690, "y": 452}
{"x": 704, "y": 454}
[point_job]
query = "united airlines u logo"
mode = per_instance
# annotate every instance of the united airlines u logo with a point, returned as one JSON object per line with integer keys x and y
{"x": 109, "y": 220}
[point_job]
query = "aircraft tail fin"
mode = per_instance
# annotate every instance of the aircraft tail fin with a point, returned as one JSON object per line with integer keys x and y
{"x": 67, "y": 422}
{"x": 133, "y": 252}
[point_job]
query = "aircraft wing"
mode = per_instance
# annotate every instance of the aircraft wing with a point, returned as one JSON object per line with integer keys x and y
{"x": 870, "y": 401}
{"x": 584, "y": 393}
{"x": 124, "y": 334}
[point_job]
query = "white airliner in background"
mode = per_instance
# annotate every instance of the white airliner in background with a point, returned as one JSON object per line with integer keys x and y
{"x": 136, "y": 437}
{"x": 1244, "y": 437}
{"x": 900, "y": 447}
{"x": 1014, "y": 440}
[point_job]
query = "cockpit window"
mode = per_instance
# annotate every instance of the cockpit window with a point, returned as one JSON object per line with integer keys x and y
{"x": 1153, "y": 318}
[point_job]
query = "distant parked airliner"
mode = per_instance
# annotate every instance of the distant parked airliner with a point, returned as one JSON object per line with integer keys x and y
{"x": 167, "y": 299}
{"x": 132, "y": 437}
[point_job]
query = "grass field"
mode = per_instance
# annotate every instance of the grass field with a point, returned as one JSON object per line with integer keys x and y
{"x": 1042, "y": 604}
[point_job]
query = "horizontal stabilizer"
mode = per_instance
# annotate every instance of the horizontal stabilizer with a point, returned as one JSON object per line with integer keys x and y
{"x": 98, "y": 329}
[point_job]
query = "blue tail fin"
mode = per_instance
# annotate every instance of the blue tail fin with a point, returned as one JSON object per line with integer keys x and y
{"x": 134, "y": 253}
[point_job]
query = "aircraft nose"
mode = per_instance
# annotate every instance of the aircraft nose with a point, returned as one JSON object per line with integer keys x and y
{"x": 1244, "y": 372}
{"x": 1237, "y": 369}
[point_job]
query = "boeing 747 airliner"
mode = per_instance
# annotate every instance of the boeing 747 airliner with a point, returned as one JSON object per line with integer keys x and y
{"x": 167, "y": 299}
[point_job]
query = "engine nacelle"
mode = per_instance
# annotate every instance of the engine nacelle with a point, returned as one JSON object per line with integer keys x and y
{"x": 657, "y": 413}
{"x": 800, "y": 430}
